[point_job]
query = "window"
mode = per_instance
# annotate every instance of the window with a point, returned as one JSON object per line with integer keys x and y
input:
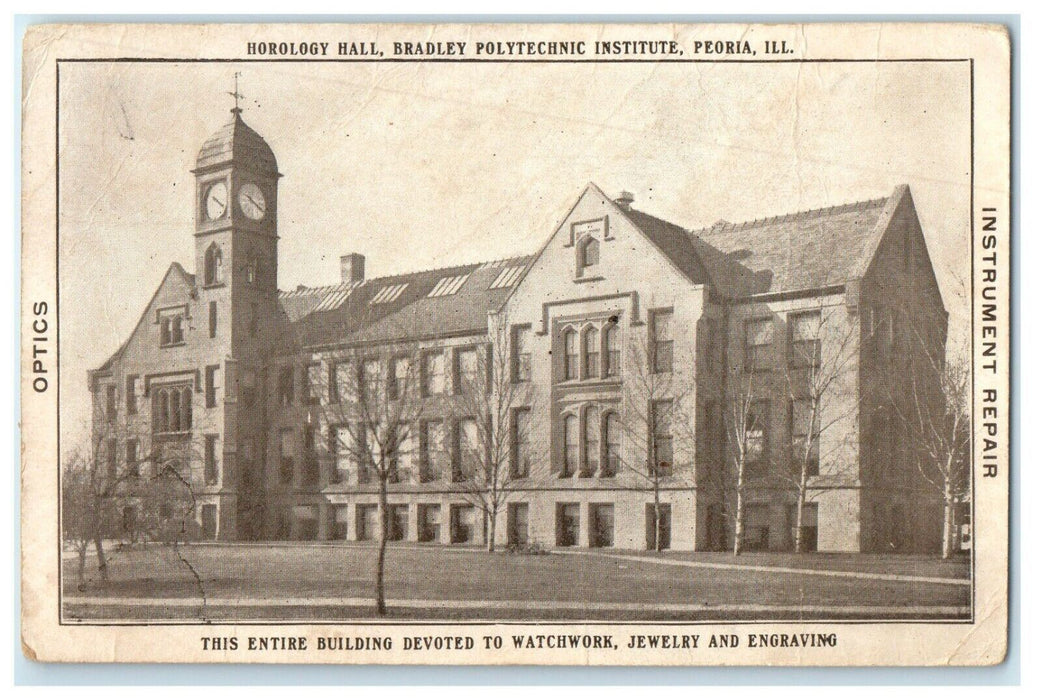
{"x": 805, "y": 426}
{"x": 398, "y": 450}
{"x": 428, "y": 522}
{"x": 397, "y": 521}
{"x": 517, "y": 523}
{"x": 612, "y": 353}
{"x": 210, "y": 447}
{"x": 591, "y": 443}
{"x": 286, "y": 455}
{"x": 570, "y": 461}
{"x": 366, "y": 519}
{"x": 462, "y": 521}
{"x": 612, "y": 444}
{"x": 398, "y": 377}
{"x": 758, "y": 338}
{"x": 567, "y": 524}
{"x": 466, "y": 450}
{"x": 337, "y": 523}
{"x": 339, "y": 381}
{"x": 131, "y": 397}
{"x": 213, "y": 319}
{"x": 171, "y": 328}
{"x": 208, "y": 515}
{"x": 519, "y": 439}
{"x": 112, "y": 459}
{"x": 286, "y": 386}
{"x": 214, "y": 265}
{"x": 804, "y": 339}
{"x": 309, "y": 463}
{"x": 662, "y": 437}
{"x": 602, "y": 525}
{"x": 341, "y": 441}
{"x": 571, "y": 355}
{"x": 133, "y": 467}
{"x": 522, "y": 353}
{"x": 589, "y": 254}
{"x": 756, "y": 427}
{"x": 110, "y": 402}
{"x": 658, "y": 526}
{"x": 661, "y": 341}
{"x": 211, "y": 385}
{"x": 248, "y": 387}
{"x": 312, "y": 383}
{"x": 172, "y": 409}
{"x": 366, "y": 452}
{"x": 370, "y": 382}
{"x": 591, "y": 354}
{"x": 467, "y": 370}
{"x": 432, "y": 447}
{"x": 433, "y": 373}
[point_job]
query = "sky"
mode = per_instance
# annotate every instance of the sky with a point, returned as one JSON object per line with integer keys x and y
{"x": 426, "y": 165}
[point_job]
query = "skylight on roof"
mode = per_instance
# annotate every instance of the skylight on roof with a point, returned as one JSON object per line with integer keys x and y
{"x": 508, "y": 277}
{"x": 448, "y": 286}
{"x": 389, "y": 293}
{"x": 336, "y": 296}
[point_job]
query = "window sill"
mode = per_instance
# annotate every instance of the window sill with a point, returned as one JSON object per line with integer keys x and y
{"x": 593, "y": 278}
{"x": 171, "y": 345}
{"x": 214, "y": 285}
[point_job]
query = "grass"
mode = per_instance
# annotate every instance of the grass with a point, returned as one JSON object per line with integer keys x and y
{"x": 281, "y": 572}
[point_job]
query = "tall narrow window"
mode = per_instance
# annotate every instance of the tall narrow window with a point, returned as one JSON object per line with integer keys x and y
{"x": 662, "y": 434}
{"x": 211, "y": 385}
{"x": 522, "y": 354}
{"x": 110, "y": 402}
{"x": 286, "y": 386}
{"x": 612, "y": 353}
{"x": 339, "y": 382}
{"x": 612, "y": 444}
{"x": 521, "y": 457}
{"x": 467, "y": 370}
{"x": 312, "y": 383}
{"x": 164, "y": 331}
{"x": 805, "y": 339}
{"x": 759, "y": 335}
{"x": 131, "y": 397}
{"x": 286, "y": 452}
{"x": 805, "y": 435}
{"x": 213, "y": 319}
{"x": 591, "y": 354}
{"x": 399, "y": 376}
{"x": 432, "y": 460}
{"x": 465, "y": 454}
{"x": 177, "y": 333}
{"x": 133, "y": 463}
{"x": 433, "y": 373}
{"x": 342, "y": 442}
{"x": 370, "y": 382}
{"x": 211, "y": 459}
{"x": 214, "y": 265}
{"x": 591, "y": 443}
{"x": 662, "y": 341}
{"x": 570, "y": 461}
{"x": 112, "y": 459}
{"x": 756, "y": 431}
{"x": 571, "y": 355}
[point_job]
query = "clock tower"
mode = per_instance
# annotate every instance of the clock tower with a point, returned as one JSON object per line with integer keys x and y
{"x": 236, "y": 256}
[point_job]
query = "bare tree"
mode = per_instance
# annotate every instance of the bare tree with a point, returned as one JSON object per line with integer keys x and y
{"x": 369, "y": 399}
{"x": 495, "y": 397}
{"x": 655, "y": 415}
{"x": 124, "y": 484}
{"x": 823, "y": 353}
{"x": 739, "y": 426}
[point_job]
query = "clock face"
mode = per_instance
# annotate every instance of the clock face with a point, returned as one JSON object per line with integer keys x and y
{"x": 251, "y": 201}
{"x": 216, "y": 200}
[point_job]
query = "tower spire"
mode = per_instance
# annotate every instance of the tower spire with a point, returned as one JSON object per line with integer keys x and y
{"x": 236, "y": 95}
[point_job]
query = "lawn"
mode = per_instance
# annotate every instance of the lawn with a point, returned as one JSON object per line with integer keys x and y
{"x": 554, "y": 586}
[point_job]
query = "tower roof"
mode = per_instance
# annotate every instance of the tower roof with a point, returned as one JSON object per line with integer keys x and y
{"x": 236, "y": 141}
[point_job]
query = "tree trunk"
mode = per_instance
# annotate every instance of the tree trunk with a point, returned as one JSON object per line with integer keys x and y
{"x": 801, "y": 498}
{"x": 492, "y": 530}
{"x": 81, "y": 569}
{"x": 103, "y": 566}
{"x": 658, "y": 521}
{"x": 946, "y": 544}
{"x": 381, "y": 605}
{"x": 739, "y": 515}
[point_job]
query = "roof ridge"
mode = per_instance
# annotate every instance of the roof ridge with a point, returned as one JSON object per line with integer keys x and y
{"x": 723, "y": 225}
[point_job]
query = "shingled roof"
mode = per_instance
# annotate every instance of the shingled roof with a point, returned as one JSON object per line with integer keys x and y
{"x": 358, "y": 313}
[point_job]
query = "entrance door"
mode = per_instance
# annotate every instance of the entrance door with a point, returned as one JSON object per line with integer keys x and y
{"x": 567, "y": 524}
{"x": 517, "y": 523}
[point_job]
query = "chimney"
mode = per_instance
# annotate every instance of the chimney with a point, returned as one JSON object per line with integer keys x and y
{"x": 352, "y": 267}
{"x": 625, "y": 199}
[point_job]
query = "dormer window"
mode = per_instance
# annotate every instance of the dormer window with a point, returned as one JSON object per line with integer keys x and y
{"x": 214, "y": 266}
{"x": 588, "y": 256}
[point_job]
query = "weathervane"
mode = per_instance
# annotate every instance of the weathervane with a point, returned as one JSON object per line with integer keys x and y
{"x": 236, "y": 94}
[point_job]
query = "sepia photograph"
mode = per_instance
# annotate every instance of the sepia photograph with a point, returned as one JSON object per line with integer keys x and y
{"x": 536, "y": 332}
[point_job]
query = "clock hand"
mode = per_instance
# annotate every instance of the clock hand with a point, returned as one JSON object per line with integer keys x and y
{"x": 253, "y": 201}
{"x": 219, "y": 202}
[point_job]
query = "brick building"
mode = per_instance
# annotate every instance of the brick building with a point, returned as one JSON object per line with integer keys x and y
{"x": 634, "y": 340}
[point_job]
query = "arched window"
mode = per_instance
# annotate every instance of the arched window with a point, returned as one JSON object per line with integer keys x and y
{"x": 214, "y": 265}
{"x": 591, "y": 354}
{"x": 612, "y": 354}
{"x": 160, "y": 411}
{"x": 591, "y": 443}
{"x": 589, "y": 254}
{"x": 612, "y": 444}
{"x": 571, "y": 445}
{"x": 186, "y": 409}
{"x": 177, "y": 334}
{"x": 571, "y": 355}
{"x": 164, "y": 331}
{"x": 175, "y": 411}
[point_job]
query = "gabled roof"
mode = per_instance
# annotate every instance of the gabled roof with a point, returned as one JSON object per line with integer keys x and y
{"x": 413, "y": 312}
